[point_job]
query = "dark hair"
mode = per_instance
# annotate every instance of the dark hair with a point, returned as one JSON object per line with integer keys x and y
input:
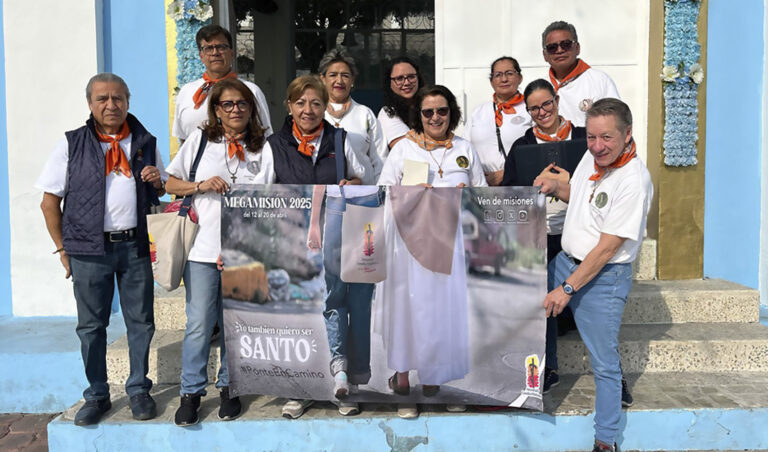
{"x": 536, "y": 85}
{"x": 254, "y": 131}
{"x": 555, "y": 26}
{"x": 210, "y": 31}
{"x": 436, "y": 90}
{"x": 395, "y": 105}
{"x": 106, "y": 77}
{"x": 508, "y": 58}
{"x": 337, "y": 55}
{"x": 609, "y": 106}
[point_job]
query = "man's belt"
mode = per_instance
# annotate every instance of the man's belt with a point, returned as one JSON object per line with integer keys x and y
{"x": 573, "y": 259}
{"x": 120, "y": 236}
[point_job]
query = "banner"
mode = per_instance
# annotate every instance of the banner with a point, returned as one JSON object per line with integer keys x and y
{"x": 458, "y": 314}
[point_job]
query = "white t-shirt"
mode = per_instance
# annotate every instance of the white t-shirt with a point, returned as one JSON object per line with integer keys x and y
{"x": 364, "y": 136}
{"x": 481, "y": 131}
{"x": 620, "y": 205}
{"x": 392, "y": 126}
{"x": 460, "y": 164}
{"x": 577, "y": 96}
{"x": 186, "y": 118}
{"x": 120, "y": 205}
{"x": 214, "y": 162}
{"x": 354, "y": 167}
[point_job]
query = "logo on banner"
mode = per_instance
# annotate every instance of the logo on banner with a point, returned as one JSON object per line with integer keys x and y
{"x": 532, "y": 380}
{"x": 368, "y": 242}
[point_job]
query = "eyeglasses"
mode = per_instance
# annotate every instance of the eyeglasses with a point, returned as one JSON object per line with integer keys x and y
{"x": 218, "y": 48}
{"x": 546, "y": 106}
{"x": 429, "y": 112}
{"x": 499, "y": 75}
{"x": 401, "y": 79}
{"x": 228, "y": 105}
{"x": 566, "y": 45}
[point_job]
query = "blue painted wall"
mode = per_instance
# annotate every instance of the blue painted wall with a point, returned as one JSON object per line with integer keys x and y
{"x": 734, "y": 141}
{"x": 6, "y": 299}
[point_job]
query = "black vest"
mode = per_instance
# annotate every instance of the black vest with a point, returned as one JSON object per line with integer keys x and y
{"x": 293, "y": 167}
{"x": 82, "y": 224}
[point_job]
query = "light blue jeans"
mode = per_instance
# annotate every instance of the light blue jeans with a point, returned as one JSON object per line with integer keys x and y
{"x": 202, "y": 282}
{"x": 347, "y": 305}
{"x": 597, "y": 308}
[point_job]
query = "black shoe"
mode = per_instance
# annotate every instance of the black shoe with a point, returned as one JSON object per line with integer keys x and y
{"x": 216, "y": 333}
{"x": 230, "y": 408}
{"x": 626, "y": 397}
{"x": 187, "y": 413}
{"x": 551, "y": 379}
{"x": 143, "y": 407}
{"x": 92, "y": 411}
{"x": 602, "y": 447}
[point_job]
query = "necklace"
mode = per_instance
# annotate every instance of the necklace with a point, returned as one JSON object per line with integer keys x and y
{"x": 439, "y": 165}
{"x": 232, "y": 174}
{"x": 597, "y": 184}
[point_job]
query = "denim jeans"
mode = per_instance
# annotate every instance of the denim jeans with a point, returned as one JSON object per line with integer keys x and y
{"x": 347, "y": 305}
{"x": 93, "y": 279}
{"x": 597, "y": 308}
{"x": 202, "y": 282}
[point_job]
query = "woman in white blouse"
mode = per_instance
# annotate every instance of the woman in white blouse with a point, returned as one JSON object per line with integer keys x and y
{"x": 402, "y": 80}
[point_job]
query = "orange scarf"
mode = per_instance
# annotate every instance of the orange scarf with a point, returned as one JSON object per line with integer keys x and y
{"x": 115, "y": 157}
{"x": 304, "y": 147}
{"x": 580, "y": 68}
{"x": 202, "y": 92}
{"x": 622, "y": 160}
{"x": 561, "y": 135}
{"x": 427, "y": 143}
{"x": 234, "y": 148}
{"x": 507, "y": 107}
{"x": 338, "y": 114}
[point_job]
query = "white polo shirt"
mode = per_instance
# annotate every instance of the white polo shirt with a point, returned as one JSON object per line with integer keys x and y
{"x": 186, "y": 118}
{"x": 619, "y": 206}
{"x": 481, "y": 131}
{"x": 577, "y": 96}
{"x": 365, "y": 137}
{"x": 120, "y": 205}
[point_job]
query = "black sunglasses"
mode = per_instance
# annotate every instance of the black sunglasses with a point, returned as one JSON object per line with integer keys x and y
{"x": 429, "y": 112}
{"x": 566, "y": 45}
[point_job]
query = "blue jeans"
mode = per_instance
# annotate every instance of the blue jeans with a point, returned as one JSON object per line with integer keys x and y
{"x": 202, "y": 282}
{"x": 93, "y": 279}
{"x": 597, "y": 308}
{"x": 347, "y": 305}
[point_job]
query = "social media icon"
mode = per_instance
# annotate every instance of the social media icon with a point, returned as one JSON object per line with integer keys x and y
{"x": 522, "y": 215}
{"x": 500, "y": 215}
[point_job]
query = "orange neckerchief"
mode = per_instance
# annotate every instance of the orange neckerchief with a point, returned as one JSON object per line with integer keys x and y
{"x": 622, "y": 160}
{"x": 202, "y": 92}
{"x": 304, "y": 146}
{"x": 338, "y": 114}
{"x": 234, "y": 148}
{"x": 115, "y": 157}
{"x": 427, "y": 143}
{"x": 561, "y": 135}
{"x": 507, "y": 107}
{"x": 580, "y": 68}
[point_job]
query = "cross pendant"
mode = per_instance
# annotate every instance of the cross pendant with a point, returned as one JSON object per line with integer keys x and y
{"x": 234, "y": 178}
{"x": 440, "y": 172}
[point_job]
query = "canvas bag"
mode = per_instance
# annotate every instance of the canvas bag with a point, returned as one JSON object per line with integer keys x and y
{"x": 363, "y": 244}
{"x": 172, "y": 234}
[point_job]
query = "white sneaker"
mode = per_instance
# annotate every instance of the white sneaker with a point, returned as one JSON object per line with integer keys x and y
{"x": 294, "y": 408}
{"x": 349, "y": 408}
{"x": 408, "y": 411}
{"x": 451, "y": 408}
{"x": 341, "y": 385}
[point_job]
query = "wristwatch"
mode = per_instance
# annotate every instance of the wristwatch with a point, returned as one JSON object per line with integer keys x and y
{"x": 568, "y": 289}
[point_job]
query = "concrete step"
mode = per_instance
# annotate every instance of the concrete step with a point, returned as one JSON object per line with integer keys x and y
{"x": 672, "y": 411}
{"x": 699, "y": 300}
{"x": 687, "y": 347}
{"x": 644, "y": 267}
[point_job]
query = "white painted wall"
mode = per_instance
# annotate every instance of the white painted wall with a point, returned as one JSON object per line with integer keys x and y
{"x": 613, "y": 36}
{"x": 51, "y": 51}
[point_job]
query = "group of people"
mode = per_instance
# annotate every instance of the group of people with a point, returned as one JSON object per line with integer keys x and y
{"x": 110, "y": 173}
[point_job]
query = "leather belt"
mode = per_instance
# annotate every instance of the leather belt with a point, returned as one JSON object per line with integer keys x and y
{"x": 120, "y": 236}
{"x": 573, "y": 259}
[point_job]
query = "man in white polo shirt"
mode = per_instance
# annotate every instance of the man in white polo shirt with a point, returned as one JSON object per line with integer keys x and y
{"x": 608, "y": 198}
{"x": 216, "y": 53}
{"x": 577, "y": 84}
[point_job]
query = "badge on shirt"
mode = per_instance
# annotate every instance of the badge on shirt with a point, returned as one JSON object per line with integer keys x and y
{"x": 585, "y": 104}
{"x": 601, "y": 200}
{"x": 462, "y": 161}
{"x": 254, "y": 167}
{"x": 517, "y": 120}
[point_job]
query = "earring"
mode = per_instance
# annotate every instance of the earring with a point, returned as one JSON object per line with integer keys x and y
{"x": 218, "y": 120}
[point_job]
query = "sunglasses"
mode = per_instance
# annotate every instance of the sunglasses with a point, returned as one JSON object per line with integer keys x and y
{"x": 429, "y": 112}
{"x": 566, "y": 45}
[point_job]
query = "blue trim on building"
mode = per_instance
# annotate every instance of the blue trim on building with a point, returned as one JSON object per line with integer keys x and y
{"x": 734, "y": 141}
{"x": 6, "y": 296}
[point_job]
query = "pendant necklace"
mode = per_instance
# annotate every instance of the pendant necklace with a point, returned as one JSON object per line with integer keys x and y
{"x": 597, "y": 184}
{"x": 439, "y": 165}
{"x": 232, "y": 174}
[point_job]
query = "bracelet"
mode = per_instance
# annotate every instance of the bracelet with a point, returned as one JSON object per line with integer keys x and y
{"x": 58, "y": 250}
{"x": 197, "y": 187}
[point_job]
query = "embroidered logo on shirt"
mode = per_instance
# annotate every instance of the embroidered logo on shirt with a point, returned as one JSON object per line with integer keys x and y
{"x": 254, "y": 167}
{"x": 601, "y": 200}
{"x": 585, "y": 105}
{"x": 517, "y": 120}
{"x": 462, "y": 161}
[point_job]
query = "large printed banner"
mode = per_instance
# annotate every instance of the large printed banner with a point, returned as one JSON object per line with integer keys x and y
{"x": 461, "y": 276}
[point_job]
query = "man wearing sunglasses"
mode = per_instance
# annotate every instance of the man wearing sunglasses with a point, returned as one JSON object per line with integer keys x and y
{"x": 216, "y": 52}
{"x": 577, "y": 84}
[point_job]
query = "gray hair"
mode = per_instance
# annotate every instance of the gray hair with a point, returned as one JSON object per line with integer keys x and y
{"x": 555, "y": 26}
{"x": 106, "y": 77}
{"x": 612, "y": 107}
{"x": 337, "y": 55}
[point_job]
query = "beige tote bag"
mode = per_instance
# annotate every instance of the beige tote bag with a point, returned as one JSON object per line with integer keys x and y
{"x": 363, "y": 245}
{"x": 171, "y": 236}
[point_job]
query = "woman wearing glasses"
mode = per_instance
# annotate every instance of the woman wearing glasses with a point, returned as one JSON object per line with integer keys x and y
{"x": 495, "y": 125}
{"x": 402, "y": 80}
{"x": 231, "y": 154}
{"x": 422, "y": 305}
